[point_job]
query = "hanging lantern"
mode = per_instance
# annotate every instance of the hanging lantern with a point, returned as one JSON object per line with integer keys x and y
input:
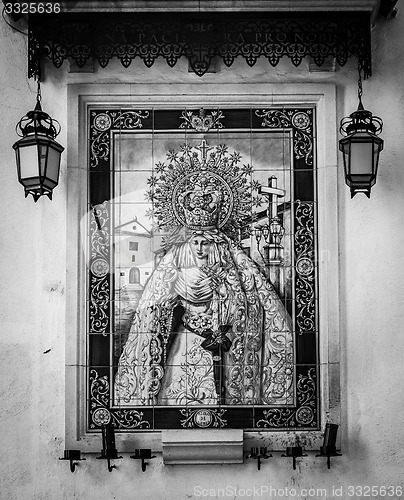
{"x": 277, "y": 230}
{"x": 37, "y": 153}
{"x": 265, "y": 232}
{"x": 361, "y": 147}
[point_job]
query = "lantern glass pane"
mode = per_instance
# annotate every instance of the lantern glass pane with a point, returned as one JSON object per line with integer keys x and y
{"x": 42, "y": 153}
{"x": 29, "y": 161}
{"x": 345, "y": 152}
{"x": 377, "y": 147}
{"x": 361, "y": 158}
{"x": 52, "y": 171}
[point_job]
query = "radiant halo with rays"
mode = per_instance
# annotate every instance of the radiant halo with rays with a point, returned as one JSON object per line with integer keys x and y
{"x": 196, "y": 165}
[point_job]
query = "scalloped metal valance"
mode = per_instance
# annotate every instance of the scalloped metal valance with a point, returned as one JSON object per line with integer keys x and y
{"x": 199, "y": 37}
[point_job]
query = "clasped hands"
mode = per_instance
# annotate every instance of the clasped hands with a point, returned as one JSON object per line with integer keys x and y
{"x": 215, "y": 275}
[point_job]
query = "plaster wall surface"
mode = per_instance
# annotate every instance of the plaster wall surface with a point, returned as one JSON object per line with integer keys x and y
{"x": 33, "y": 323}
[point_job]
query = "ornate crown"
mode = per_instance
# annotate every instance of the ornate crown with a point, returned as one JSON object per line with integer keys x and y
{"x": 201, "y": 205}
{"x": 201, "y": 187}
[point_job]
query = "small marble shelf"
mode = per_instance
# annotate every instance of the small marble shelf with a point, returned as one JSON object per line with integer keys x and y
{"x": 202, "y": 446}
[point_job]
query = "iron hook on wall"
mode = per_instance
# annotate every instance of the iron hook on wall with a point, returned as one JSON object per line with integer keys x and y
{"x": 109, "y": 451}
{"x": 143, "y": 454}
{"x": 294, "y": 452}
{"x": 74, "y": 456}
{"x": 258, "y": 454}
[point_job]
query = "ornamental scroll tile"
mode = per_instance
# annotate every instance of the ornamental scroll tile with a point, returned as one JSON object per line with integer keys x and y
{"x": 100, "y": 239}
{"x": 101, "y": 414}
{"x": 200, "y": 38}
{"x": 103, "y": 122}
{"x": 301, "y": 124}
{"x": 304, "y": 415}
{"x": 99, "y": 305}
{"x": 305, "y": 254}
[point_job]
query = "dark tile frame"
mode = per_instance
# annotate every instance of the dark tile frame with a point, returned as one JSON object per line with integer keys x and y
{"x": 300, "y": 122}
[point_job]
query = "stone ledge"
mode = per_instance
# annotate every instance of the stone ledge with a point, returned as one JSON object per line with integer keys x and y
{"x": 219, "y": 5}
{"x": 280, "y": 6}
{"x": 202, "y": 446}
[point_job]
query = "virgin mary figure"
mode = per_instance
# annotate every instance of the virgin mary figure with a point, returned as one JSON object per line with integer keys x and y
{"x": 209, "y": 328}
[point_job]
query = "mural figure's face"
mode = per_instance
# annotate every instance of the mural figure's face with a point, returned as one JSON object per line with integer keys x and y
{"x": 200, "y": 247}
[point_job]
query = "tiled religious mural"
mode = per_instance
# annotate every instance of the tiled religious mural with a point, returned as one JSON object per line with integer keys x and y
{"x": 202, "y": 297}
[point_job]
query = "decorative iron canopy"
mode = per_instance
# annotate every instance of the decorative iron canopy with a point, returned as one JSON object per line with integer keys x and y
{"x": 200, "y": 37}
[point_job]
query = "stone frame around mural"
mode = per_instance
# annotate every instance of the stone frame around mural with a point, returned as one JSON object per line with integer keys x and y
{"x": 135, "y": 418}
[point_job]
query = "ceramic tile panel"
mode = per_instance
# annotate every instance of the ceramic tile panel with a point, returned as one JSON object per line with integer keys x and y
{"x": 202, "y": 307}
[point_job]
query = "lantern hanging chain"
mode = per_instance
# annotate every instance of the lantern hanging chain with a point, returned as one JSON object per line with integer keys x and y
{"x": 38, "y": 94}
{"x": 360, "y": 89}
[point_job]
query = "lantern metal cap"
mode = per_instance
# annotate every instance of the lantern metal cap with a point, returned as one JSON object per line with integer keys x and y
{"x": 38, "y": 122}
{"x": 361, "y": 120}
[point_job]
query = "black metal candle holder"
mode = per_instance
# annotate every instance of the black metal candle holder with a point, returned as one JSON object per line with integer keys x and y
{"x": 109, "y": 451}
{"x": 258, "y": 454}
{"x": 143, "y": 454}
{"x": 329, "y": 444}
{"x": 74, "y": 456}
{"x": 328, "y": 451}
{"x": 294, "y": 452}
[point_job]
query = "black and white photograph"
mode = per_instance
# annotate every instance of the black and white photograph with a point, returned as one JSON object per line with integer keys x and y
{"x": 201, "y": 249}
